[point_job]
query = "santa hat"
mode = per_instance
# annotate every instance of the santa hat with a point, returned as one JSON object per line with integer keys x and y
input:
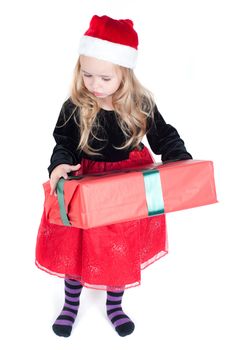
{"x": 111, "y": 40}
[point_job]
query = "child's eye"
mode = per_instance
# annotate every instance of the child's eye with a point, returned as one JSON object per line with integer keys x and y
{"x": 89, "y": 76}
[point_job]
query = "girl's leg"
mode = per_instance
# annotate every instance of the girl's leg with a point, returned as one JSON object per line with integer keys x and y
{"x": 121, "y": 322}
{"x": 64, "y": 322}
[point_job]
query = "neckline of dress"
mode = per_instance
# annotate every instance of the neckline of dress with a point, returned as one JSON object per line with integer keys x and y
{"x": 107, "y": 110}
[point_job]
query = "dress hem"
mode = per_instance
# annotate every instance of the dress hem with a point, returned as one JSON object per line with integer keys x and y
{"x": 100, "y": 286}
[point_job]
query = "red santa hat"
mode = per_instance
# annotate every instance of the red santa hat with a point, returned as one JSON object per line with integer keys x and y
{"x": 111, "y": 40}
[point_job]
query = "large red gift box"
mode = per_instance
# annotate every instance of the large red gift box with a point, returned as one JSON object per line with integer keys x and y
{"x": 101, "y": 199}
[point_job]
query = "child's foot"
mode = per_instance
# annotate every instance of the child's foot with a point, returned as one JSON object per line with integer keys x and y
{"x": 64, "y": 322}
{"x": 121, "y": 322}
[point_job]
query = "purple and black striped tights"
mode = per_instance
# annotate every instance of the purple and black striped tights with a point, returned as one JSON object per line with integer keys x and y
{"x": 121, "y": 322}
{"x": 64, "y": 322}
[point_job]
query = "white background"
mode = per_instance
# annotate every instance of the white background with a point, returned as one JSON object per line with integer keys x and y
{"x": 185, "y": 58}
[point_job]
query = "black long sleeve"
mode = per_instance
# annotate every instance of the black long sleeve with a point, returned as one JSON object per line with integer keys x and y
{"x": 66, "y": 135}
{"x": 165, "y": 140}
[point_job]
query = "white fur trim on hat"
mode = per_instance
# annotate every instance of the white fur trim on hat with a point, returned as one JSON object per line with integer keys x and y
{"x": 122, "y": 55}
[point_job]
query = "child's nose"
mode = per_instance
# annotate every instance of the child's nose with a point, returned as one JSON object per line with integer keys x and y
{"x": 96, "y": 84}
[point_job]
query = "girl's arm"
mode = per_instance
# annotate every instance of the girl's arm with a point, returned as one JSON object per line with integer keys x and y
{"x": 67, "y": 138}
{"x": 164, "y": 139}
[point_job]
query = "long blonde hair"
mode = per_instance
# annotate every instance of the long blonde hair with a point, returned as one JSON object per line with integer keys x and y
{"x": 132, "y": 104}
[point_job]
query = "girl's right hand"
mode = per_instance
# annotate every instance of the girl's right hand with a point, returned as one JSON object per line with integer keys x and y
{"x": 61, "y": 171}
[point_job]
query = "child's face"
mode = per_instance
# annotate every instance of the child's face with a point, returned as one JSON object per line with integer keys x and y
{"x": 101, "y": 78}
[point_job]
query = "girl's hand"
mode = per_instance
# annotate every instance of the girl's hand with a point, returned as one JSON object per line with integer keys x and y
{"x": 61, "y": 171}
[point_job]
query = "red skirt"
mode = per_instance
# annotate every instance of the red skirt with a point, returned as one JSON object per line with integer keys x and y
{"x": 108, "y": 257}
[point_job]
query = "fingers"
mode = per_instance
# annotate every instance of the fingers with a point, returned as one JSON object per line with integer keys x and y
{"x": 53, "y": 183}
{"x": 73, "y": 167}
{"x": 65, "y": 176}
{"x": 61, "y": 170}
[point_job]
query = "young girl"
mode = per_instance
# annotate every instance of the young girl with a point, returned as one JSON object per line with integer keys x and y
{"x": 100, "y": 128}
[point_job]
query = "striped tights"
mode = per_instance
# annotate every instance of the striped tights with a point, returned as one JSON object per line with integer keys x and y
{"x": 64, "y": 322}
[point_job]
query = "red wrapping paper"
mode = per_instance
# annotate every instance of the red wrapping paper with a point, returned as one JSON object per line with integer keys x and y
{"x": 118, "y": 197}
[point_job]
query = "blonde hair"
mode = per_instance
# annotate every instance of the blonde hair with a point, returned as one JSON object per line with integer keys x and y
{"x": 132, "y": 104}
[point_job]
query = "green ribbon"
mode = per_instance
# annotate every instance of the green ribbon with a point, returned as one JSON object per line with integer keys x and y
{"x": 153, "y": 192}
{"x": 60, "y": 195}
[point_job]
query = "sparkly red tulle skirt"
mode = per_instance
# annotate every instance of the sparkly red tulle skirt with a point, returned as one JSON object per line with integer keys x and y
{"x": 108, "y": 257}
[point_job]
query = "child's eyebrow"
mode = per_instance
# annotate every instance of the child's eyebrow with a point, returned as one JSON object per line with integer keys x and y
{"x": 101, "y": 75}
